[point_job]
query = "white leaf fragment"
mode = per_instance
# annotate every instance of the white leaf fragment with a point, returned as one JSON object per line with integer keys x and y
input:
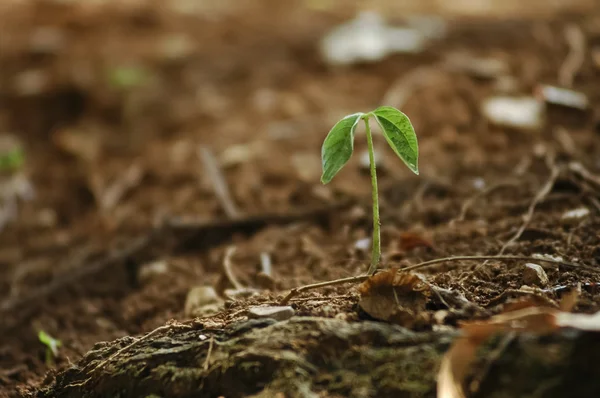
{"x": 518, "y": 112}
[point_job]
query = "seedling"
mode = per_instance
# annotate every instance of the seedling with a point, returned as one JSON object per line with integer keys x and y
{"x": 12, "y": 155}
{"x": 339, "y": 145}
{"x": 52, "y": 346}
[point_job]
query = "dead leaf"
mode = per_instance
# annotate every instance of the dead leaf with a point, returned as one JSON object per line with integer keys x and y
{"x": 455, "y": 368}
{"x": 569, "y": 300}
{"x": 395, "y": 297}
{"x": 410, "y": 241}
{"x": 84, "y": 145}
{"x": 540, "y": 320}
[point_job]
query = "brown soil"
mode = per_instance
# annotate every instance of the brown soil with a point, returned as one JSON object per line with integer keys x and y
{"x": 250, "y": 80}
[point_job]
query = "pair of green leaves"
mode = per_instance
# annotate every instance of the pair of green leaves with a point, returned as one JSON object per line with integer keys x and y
{"x": 395, "y": 126}
{"x": 52, "y": 346}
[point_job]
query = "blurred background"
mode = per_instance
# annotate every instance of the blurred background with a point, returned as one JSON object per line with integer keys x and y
{"x": 118, "y": 114}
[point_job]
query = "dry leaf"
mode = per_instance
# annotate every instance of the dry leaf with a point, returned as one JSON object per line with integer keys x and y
{"x": 395, "y": 297}
{"x": 541, "y": 320}
{"x": 84, "y": 145}
{"x": 410, "y": 241}
{"x": 455, "y": 368}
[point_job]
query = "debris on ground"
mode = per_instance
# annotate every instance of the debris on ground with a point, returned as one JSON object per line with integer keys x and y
{"x": 534, "y": 275}
{"x": 202, "y": 301}
{"x": 368, "y": 38}
{"x": 518, "y": 112}
{"x": 279, "y": 313}
{"x": 563, "y": 96}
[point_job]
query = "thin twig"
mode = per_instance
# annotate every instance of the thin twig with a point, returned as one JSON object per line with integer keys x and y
{"x": 136, "y": 342}
{"x": 218, "y": 182}
{"x": 361, "y": 278}
{"x": 111, "y": 196}
{"x": 296, "y": 291}
{"x": 576, "y": 57}
{"x": 210, "y": 349}
{"x": 266, "y": 264}
{"x": 539, "y": 197}
{"x": 227, "y": 268}
{"x": 401, "y": 90}
{"x": 469, "y": 202}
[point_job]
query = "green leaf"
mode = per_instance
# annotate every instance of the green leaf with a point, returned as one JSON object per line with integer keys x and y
{"x": 12, "y": 160}
{"x": 400, "y": 134}
{"x": 51, "y": 343}
{"x": 338, "y": 146}
{"x": 127, "y": 77}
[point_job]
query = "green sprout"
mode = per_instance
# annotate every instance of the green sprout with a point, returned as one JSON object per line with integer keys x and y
{"x": 52, "y": 346}
{"x": 339, "y": 145}
{"x": 12, "y": 155}
{"x": 127, "y": 78}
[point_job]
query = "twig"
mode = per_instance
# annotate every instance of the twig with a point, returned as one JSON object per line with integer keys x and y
{"x": 539, "y": 197}
{"x": 579, "y": 169}
{"x": 217, "y": 230}
{"x": 295, "y": 291}
{"x": 227, "y": 268}
{"x": 574, "y": 60}
{"x": 79, "y": 272}
{"x": 266, "y": 264}
{"x": 361, "y": 278}
{"x": 218, "y": 182}
{"x": 401, "y": 90}
{"x": 138, "y": 341}
{"x": 210, "y": 348}
{"x": 469, "y": 202}
{"x": 111, "y": 196}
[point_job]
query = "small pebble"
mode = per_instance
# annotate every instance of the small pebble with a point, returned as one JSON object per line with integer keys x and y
{"x": 363, "y": 244}
{"x": 150, "y": 271}
{"x": 279, "y": 313}
{"x": 202, "y": 300}
{"x": 576, "y": 214}
{"x": 525, "y": 113}
{"x": 534, "y": 275}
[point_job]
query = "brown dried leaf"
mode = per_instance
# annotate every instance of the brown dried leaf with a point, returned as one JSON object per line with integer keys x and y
{"x": 410, "y": 241}
{"x": 83, "y": 145}
{"x": 395, "y": 297}
{"x": 569, "y": 300}
{"x": 455, "y": 368}
{"x": 542, "y": 320}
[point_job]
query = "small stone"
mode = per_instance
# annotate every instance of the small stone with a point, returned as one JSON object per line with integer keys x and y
{"x": 564, "y": 97}
{"x": 31, "y": 82}
{"x": 150, "y": 271}
{"x": 362, "y": 244}
{"x": 576, "y": 214}
{"x": 279, "y": 313}
{"x": 243, "y": 293}
{"x": 202, "y": 300}
{"x": 365, "y": 161}
{"x": 525, "y": 113}
{"x": 534, "y": 274}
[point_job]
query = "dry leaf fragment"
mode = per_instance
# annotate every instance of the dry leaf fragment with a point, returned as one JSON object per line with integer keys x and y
{"x": 541, "y": 320}
{"x": 395, "y": 297}
{"x": 411, "y": 240}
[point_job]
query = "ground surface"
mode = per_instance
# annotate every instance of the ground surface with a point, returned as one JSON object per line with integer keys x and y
{"x": 249, "y": 86}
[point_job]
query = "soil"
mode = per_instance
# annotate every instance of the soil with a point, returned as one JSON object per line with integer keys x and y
{"x": 125, "y": 220}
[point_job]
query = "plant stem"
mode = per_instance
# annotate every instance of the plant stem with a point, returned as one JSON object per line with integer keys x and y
{"x": 361, "y": 278}
{"x": 376, "y": 250}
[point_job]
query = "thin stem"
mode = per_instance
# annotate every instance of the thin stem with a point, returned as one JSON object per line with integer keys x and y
{"x": 361, "y": 278}
{"x": 376, "y": 251}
